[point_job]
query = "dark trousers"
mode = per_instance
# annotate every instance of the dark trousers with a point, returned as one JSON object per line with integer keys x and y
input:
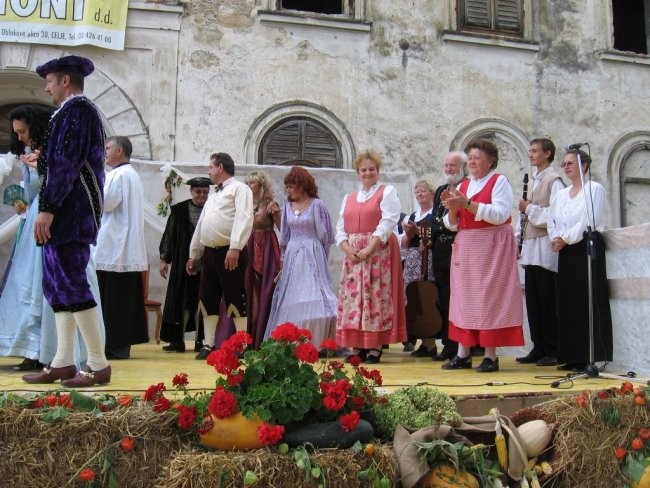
{"x": 542, "y": 310}
{"x": 217, "y": 282}
{"x": 444, "y": 293}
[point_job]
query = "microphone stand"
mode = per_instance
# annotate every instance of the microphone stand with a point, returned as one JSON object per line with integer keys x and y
{"x": 592, "y": 370}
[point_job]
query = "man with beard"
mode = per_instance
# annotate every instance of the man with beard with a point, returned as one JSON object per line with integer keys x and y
{"x": 182, "y": 299}
{"x": 441, "y": 241}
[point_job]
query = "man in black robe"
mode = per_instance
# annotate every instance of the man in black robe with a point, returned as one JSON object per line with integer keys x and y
{"x": 181, "y": 302}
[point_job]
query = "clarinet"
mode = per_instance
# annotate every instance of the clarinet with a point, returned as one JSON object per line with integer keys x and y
{"x": 523, "y": 217}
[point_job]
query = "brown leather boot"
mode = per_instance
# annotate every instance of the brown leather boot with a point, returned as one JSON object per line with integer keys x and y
{"x": 49, "y": 374}
{"x": 88, "y": 377}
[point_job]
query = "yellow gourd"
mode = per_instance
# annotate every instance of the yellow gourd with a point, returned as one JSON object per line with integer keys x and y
{"x": 644, "y": 482}
{"x": 233, "y": 433}
{"x": 445, "y": 476}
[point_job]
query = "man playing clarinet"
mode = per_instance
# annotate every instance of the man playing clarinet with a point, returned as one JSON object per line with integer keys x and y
{"x": 537, "y": 258}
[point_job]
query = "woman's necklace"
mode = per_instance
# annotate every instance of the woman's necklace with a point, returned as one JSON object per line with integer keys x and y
{"x": 300, "y": 207}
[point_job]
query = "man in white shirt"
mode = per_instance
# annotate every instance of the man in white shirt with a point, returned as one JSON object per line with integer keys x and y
{"x": 537, "y": 258}
{"x": 221, "y": 234}
{"x": 121, "y": 253}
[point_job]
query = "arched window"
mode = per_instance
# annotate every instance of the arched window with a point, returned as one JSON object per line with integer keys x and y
{"x": 300, "y": 140}
{"x": 634, "y": 186}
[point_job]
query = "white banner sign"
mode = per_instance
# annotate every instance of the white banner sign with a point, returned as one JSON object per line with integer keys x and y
{"x": 101, "y": 23}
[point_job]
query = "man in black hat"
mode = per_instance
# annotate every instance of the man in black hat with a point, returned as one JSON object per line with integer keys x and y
{"x": 71, "y": 167}
{"x": 182, "y": 300}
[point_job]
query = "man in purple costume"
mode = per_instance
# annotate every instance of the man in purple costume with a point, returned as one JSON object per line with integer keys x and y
{"x": 71, "y": 167}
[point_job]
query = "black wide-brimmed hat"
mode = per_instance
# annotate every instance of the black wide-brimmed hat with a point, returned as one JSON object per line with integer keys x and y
{"x": 67, "y": 64}
{"x": 200, "y": 182}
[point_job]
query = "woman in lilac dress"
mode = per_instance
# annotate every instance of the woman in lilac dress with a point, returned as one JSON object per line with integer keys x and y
{"x": 304, "y": 294}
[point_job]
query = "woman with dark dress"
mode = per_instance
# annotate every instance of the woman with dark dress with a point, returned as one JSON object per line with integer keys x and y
{"x": 581, "y": 204}
{"x": 263, "y": 255}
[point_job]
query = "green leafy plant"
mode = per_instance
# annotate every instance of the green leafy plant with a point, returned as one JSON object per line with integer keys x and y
{"x": 415, "y": 407}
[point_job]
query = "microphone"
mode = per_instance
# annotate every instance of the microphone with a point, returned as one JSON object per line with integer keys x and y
{"x": 577, "y": 145}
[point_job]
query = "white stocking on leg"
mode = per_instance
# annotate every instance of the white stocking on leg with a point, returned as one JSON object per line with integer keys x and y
{"x": 463, "y": 351}
{"x": 241, "y": 323}
{"x": 65, "y": 332}
{"x": 88, "y": 323}
{"x": 210, "y": 329}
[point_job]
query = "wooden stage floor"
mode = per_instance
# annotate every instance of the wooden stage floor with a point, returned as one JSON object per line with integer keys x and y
{"x": 150, "y": 365}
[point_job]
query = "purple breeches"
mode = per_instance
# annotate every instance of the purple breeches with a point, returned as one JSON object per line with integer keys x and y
{"x": 65, "y": 283}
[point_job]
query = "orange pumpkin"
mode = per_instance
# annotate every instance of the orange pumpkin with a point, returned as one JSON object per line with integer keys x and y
{"x": 234, "y": 433}
{"x": 445, "y": 476}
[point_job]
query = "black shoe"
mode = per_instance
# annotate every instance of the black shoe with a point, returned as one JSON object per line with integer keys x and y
{"x": 205, "y": 352}
{"x": 408, "y": 347}
{"x": 385, "y": 346}
{"x": 28, "y": 365}
{"x": 488, "y": 366}
{"x": 458, "y": 363}
{"x": 174, "y": 347}
{"x": 531, "y": 358}
{"x": 423, "y": 352}
{"x": 446, "y": 354}
{"x": 198, "y": 345}
{"x": 547, "y": 361}
{"x": 373, "y": 358}
{"x": 572, "y": 367}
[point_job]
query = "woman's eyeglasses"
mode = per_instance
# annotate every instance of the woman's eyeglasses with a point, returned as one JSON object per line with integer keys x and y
{"x": 567, "y": 163}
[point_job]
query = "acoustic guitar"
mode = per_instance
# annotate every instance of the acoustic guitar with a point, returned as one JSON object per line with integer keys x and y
{"x": 423, "y": 318}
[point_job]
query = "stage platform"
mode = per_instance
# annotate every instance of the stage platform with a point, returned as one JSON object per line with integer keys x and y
{"x": 514, "y": 386}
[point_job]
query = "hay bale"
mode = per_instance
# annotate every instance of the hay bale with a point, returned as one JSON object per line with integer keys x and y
{"x": 584, "y": 442}
{"x": 38, "y": 453}
{"x": 34, "y": 452}
{"x": 227, "y": 469}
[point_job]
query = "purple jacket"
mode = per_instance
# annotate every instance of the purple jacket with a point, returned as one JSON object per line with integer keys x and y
{"x": 72, "y": 168}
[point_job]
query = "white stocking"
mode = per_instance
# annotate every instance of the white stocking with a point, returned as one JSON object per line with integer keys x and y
{"x": 65, "y": 335}
{"x": 210, "y": 329}
{"x": 88, "y": 323}
{"x": 463, "y": 351}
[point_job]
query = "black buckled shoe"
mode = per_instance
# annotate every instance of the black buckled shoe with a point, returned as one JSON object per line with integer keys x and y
{"x": 28, "y": 365}
{"x": 423, "y": 352}
{"x": 547, "y": 361}
{"x": 373, "y": 358}
{"x": 529, "y": 359}
{"x": 446, "y": 354}
{"x": 174, "y": 347}
{"x": 205, "y": 352}
{"x": 458, "y": 363}
{"x": 488, "y": 366}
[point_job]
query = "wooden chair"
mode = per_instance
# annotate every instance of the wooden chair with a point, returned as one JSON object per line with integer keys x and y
{"x": 152, "y": 305}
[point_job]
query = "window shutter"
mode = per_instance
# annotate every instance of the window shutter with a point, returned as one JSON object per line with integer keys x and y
{"x": 283, "y": 144}
{"x": 320, "y": 146}
{"x": 301, "y": 141}
{"x": 508, "y": 15}
{"x": 476, "y": 13}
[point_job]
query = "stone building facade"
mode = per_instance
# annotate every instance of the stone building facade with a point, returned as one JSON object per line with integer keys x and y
{"x": 268, "y": 82}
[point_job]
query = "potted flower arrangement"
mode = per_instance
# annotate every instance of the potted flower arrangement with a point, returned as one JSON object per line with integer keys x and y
{"x": 279, "y": 387}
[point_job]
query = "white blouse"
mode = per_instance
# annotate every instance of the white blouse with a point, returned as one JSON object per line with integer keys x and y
{"x": 390, "y": 212}
{"x": 567, "y": 217}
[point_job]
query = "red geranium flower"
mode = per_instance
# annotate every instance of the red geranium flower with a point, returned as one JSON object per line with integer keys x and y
{"x": 224, "y": 360}
{"x": 286, "y": 332}
{"x": 329, "y": 345}
{"x": 349, "y": 421}
{"x": 186, "y": 417}
{"x": 180, "y": 380}
{"x": 153, "y": 391}
{"x": 162, "y": 404}
{"x": 127, "y": 444}
{"x": 354, "y": 360}
{"x": 223, "y": 403}
{"x": 269, "y": 435}
{"x": 87, "y": 474}
{"x": 235, "y": 379}
{"x": 306, "y": 352}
